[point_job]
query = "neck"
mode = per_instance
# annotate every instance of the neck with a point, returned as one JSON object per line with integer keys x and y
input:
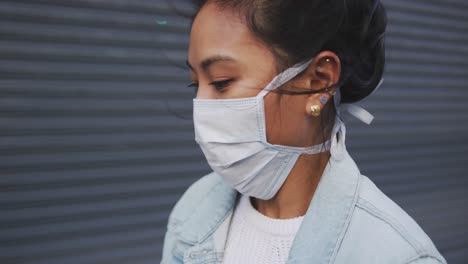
{"x": 294, "y": 196}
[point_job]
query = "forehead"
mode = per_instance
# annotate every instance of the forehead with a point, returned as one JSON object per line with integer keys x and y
{"x": 220, "y": 31}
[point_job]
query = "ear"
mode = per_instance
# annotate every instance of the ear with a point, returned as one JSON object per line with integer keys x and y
{"x": 324, "y": 71}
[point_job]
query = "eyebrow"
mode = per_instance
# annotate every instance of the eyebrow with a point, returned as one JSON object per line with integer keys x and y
{"x": 206, "y": 63}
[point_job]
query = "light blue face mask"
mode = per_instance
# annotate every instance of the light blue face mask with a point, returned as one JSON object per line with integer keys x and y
{"x": 232, "y": 135}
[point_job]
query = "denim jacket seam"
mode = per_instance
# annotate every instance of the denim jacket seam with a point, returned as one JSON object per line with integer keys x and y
{"x": 421, "y": 256}
{"x": 370, "y": 208}
{"x": 347, "y": 222}
{"x": 210, "y": 258}
{"x": 215, "y": 227}
{"x": 176, "y": 252}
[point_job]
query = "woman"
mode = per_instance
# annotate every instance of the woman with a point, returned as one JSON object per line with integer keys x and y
{"x": 271, "y": 77}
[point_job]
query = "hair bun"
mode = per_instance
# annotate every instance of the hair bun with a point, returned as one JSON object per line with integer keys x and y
{"x": 364, "y": 59}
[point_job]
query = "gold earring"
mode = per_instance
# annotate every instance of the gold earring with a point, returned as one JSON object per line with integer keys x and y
{"x": 315, "y": 110}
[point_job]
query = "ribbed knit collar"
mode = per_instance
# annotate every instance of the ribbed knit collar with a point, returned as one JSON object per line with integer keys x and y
{"x": 265, "y": 224}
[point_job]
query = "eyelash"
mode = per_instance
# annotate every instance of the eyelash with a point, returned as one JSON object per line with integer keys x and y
{"x": 219, "y": 85}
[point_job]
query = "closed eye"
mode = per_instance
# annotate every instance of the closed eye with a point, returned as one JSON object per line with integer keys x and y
{"x": 219, "y": 85}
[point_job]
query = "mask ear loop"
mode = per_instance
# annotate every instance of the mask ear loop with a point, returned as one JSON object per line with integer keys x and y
{"x": 338, "y": 135}
{"x": 284, "y": 77}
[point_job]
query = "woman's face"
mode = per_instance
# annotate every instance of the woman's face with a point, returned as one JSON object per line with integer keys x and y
{"x": 227, "y": 61}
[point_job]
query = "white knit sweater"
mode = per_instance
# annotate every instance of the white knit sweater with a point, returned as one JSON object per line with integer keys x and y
{"x": 254, "y": 238}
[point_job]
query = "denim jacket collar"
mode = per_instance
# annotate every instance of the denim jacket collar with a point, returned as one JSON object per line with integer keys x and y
{"x": 218, "y": 208}
{"x": 329, "y": 213}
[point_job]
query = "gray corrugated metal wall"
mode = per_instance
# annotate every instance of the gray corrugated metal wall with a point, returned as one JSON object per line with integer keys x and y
{"x": 92, "y": 162}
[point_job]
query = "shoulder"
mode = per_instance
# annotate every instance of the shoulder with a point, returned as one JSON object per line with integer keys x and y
{"x": 184, "y": 209}
{"x": 195, "y": 194}
{"x": 384, "y": 230}
{"x": 199, "y": 211}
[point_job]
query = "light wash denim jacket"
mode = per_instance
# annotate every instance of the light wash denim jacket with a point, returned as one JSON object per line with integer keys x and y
{"x": 349, "y": 220}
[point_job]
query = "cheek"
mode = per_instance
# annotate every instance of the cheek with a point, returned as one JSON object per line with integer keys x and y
{"x": 242, "y": 89}
{"x": 285, "y": 119}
